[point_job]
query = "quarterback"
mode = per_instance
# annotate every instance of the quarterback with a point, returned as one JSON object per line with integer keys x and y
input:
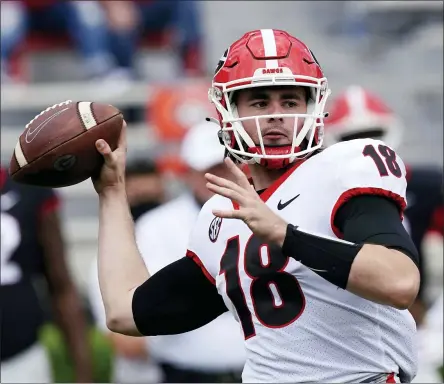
{"x": 309, "y": 255}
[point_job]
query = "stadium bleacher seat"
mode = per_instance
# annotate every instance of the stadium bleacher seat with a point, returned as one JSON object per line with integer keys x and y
{"x": 37, "y": 42}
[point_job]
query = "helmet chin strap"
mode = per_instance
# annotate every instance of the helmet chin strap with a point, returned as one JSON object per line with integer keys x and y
{"x": 273, "y": 151}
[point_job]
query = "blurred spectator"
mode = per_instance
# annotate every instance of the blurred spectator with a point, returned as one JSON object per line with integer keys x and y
{"x": 357, "y": 113}
{"x": 144, "y": 185}
{"x": 132, "y": 363}
{"x": 84, "y": 21}
{"x": 130, "y": 20}
{"x": 214, "y": 352}
{"x": 431, "y": 366}
{"x": 32, "y": 247}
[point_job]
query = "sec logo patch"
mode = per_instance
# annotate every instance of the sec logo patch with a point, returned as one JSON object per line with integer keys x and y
{"x": 213, "y": 231}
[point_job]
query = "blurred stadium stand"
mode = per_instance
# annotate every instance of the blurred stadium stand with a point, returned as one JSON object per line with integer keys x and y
{"x": 407, "y": 72}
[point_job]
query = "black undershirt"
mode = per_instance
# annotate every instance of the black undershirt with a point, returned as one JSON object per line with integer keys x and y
{"x": 179, "y": 298}
{"x": 375, "y": 220}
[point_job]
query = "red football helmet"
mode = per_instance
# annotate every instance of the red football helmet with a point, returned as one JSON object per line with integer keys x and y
{"x": 357, "y": 113}
{"x": 264, "y": 58}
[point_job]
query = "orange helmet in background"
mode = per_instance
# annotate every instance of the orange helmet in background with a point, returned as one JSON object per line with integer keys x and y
{"x": 173, "y": 109}
{"x": 171, "y": 112}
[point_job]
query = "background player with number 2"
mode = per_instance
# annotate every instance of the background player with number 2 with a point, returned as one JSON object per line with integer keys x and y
{"x": 310, "y": 255}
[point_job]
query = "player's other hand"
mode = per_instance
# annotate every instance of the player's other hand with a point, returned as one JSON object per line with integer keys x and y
{"x": 262, "y": 221}
{"x": 112, "y": 173}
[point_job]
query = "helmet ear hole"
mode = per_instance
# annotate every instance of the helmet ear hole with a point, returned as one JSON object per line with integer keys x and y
{"x": 220, "y": 137}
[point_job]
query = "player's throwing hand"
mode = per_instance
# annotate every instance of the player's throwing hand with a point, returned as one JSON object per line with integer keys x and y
{"x": 112, "y": 174}
{"x": 252, "y": 210}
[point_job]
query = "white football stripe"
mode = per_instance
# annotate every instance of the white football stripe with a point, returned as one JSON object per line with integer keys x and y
{"x": 269, "y": 47}
{"x": 86, "y": 114}
{"x": 19, "y": 155}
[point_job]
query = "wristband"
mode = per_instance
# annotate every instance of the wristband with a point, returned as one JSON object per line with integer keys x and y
{"x": 329, "y": 258}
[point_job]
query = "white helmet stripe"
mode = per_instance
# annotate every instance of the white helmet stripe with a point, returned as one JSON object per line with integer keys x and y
{"x": 270, "y": 48}
{"x": 355, "y": 97}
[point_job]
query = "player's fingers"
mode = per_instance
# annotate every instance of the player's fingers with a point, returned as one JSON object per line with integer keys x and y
{"x": 122, "y": 138}
{"x": 103, "y": 147}
{"x": 105, "y": 150}
{"x": 220, "y": 181}
{"x": 226, "y": 192}
{"x": 227, "y": 214}
{"x": 240, "y": 176}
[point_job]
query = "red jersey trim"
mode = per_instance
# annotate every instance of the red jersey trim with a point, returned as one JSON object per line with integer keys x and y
{"x": 408, "y": 173}
{"x": 347, "y": 195}
{"x": 50, "y": 205}
{"x": 272, "y": 188}
{"x": 197, "y": 260}
{"x": 275, "y": 185}
{"x": 3, "y": 176}
{"x": 437, "y": 222}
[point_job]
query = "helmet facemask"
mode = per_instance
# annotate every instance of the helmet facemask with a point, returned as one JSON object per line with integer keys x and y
{"x": 307, "y": 133}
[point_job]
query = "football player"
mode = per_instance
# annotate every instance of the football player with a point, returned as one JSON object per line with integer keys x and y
{"x": 32, "y": 247}
{"x": 310, "y": 255}
{"x": 132, "y": 363}
{"x": 358, "y": 113}
{"x": 215, "y": 352}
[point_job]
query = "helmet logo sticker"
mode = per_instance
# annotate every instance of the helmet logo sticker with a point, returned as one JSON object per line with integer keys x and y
{"x": 221, "y": 62}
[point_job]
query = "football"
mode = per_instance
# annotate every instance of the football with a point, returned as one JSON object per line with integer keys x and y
{"x": 57, "y": 147}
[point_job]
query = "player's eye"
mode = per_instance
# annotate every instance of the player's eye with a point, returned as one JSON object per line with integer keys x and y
{"x": 290, "y": 104}
{"x": 259, "y": 104}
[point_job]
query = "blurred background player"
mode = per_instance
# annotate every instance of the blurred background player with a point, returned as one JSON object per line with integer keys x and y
{"x": 358, "y": 113}
{"x": 430, "y": 353}
{"x": 132, "y": 362}
{"x": 215, "y": 352}
{"x": 32, "y": 248}
{"x": 145, "y": 186}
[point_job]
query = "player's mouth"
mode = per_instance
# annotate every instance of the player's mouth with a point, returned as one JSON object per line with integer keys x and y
{"x": 274, "y": 135}
{"x": 274, "y": 132}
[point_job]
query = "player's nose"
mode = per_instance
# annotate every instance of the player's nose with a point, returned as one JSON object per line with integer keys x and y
{"x": 275, "y": 108}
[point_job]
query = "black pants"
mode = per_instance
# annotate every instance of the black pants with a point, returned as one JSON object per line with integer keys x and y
{"x": 174, "y": 374}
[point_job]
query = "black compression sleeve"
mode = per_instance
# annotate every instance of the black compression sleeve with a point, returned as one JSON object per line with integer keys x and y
{"x": 375, "y": 220}
{"x": 363, "y": 219}
{"x": 329, "y": 258}
{"x": 177, "y": 299}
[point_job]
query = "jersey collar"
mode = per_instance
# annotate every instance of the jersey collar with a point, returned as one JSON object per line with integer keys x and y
{"x": 265, "y": 194}
{"x": 276, "y": 184}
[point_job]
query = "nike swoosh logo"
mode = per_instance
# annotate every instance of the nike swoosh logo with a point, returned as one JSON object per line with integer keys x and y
{"x": 31, "y": 135}
{"x": 283, "y": 205}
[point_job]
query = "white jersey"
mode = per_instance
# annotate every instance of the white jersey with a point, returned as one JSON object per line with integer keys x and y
{"x": 297, "y": 326}
{"x": 162, "y": 236}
